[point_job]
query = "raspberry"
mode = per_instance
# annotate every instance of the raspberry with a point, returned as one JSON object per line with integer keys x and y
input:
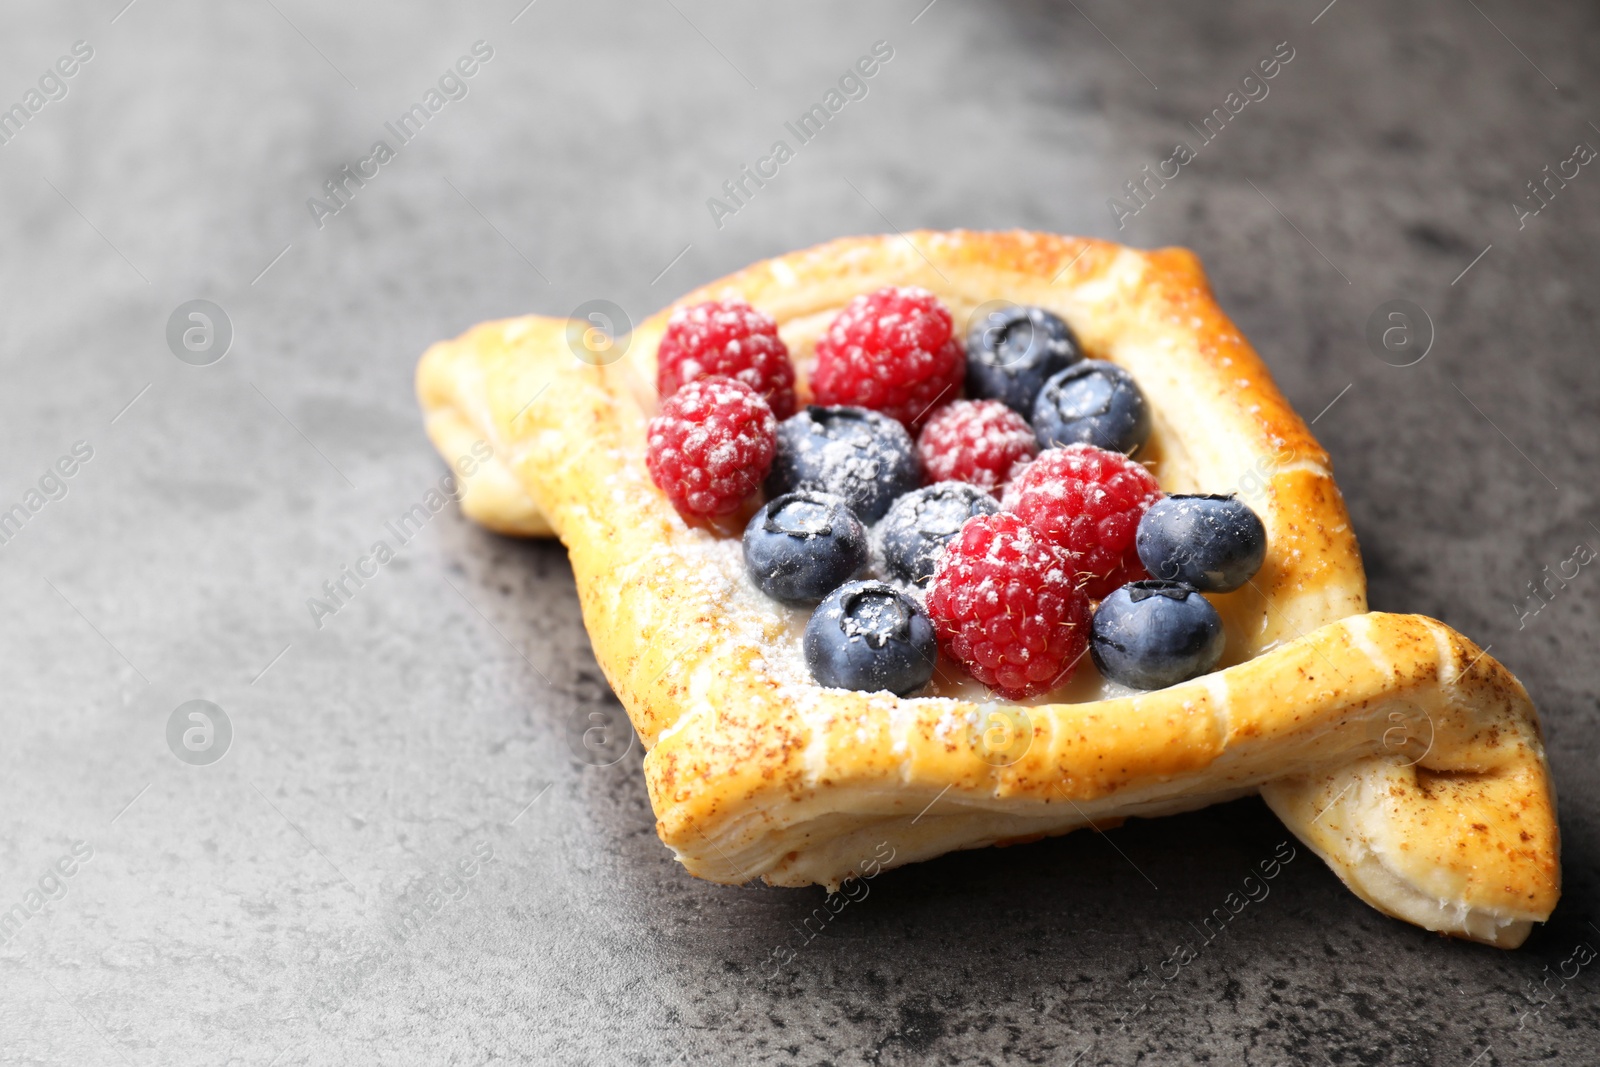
{"x": 1004, "y": 604}
{"x": 711, "y": 445}
{"x": 977, "y": 441}
{"x": 891, "y": 351}
{"x": 731, "y": 338}
{"x": 1089, "y": 502}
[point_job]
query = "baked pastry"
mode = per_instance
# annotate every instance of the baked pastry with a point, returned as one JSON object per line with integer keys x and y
{"x": 1392, "y": 746}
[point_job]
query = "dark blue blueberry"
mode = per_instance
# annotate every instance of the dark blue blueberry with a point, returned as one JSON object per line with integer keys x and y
{"x": 1011, "y": 352}
{"x": 872, "y": 637}
{"x": 1214, "y": 543}
{"x": 1095, "y": 403}
{"x": 921, "y": 523}
{"x": 1152, "y": 634}
{"x": 864, "y": 458}
{"x": 801, "y": 546}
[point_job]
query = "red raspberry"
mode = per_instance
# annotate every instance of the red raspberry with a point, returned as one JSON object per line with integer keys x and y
{"x": 977, "y": 441}
{"x": 891, "y": 351}
{"x": 1089, "y": 502}
{"x": 1005, "y": 605}
{"x": 711, "y": 445}
{"x": 731, "y": 338}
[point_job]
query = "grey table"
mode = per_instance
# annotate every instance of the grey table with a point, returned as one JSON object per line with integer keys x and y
{"x": 401, "y": 857}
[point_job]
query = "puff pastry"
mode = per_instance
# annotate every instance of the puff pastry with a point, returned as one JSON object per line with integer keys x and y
{"x": 1392, "y": 746}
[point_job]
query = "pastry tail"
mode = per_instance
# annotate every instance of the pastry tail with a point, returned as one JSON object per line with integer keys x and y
{"x": 485, "y": 392}
{"x": 1450, "y": 822}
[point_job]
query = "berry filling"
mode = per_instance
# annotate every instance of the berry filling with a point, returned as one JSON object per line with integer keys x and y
{"x": 892, "y": 351}
{"x": 1152, "y": 634}
{"x": 710, "y": 446}
{"x": 920, "y": 524}
{"x": 801, "y": 546}
{"x": 870, "y": 636}
{"x": 1092, "y": 403}
{"x": 728, "y": 338}
{"x": 1088, "y": 502}
{"x": 1214, "y": 543}
{"x": 864, "y": 458}
{"x": 1030, "y": 546}
{"x": 978, "y": 441}
{"x": 1013, "y": 351}
{"x": 1006, "y": 607}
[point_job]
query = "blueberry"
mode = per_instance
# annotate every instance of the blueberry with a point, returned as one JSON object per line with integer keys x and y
{"x": 1012, "y": 351}
{"x": 1152, "y": 634}
{"x": 1214, "y": 543}
{"x": 921, "y": 523}
{"x": 870, "y": 636}
{"x": 803, "y": 545}
{"x": 1095, "y": 403}
{"x": 864, "y": 458}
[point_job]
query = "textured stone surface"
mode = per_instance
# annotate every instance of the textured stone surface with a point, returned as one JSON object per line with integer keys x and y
{"x": 242, "y": 912}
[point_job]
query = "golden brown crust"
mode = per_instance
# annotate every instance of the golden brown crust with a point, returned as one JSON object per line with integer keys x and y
{"x": 754, "y": 771}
